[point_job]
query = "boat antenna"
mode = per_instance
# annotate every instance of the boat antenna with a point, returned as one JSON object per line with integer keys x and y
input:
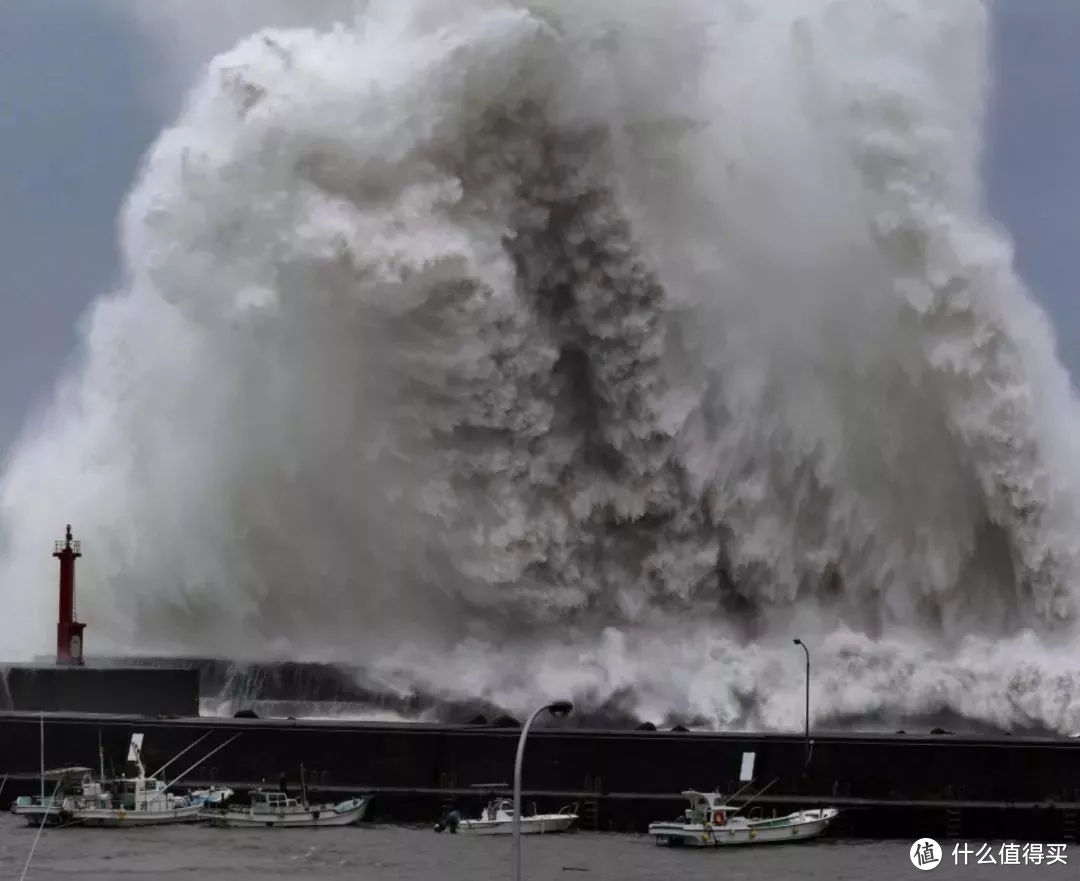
{"x": 736, "y": 795}
{"x": 303, "y": 784}
{"x": 203, "y": 759}
{"x": 174, "y": 758}
{"x": 743, "y": 806}
{"x": 101, "y": 754}
{"x": 42, "y": 757}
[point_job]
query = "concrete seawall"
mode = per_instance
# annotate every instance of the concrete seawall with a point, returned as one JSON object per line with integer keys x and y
{"x": 886, "y": 785}
{"x": 148, "y": 691}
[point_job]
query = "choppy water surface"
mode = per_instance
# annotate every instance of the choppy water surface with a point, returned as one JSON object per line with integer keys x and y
{"x": 402, "y": 854}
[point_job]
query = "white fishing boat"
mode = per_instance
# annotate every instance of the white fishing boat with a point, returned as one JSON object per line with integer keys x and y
{"x": 138, "y": 800}
{"x": 498, "y": 819}
{"x": 712, "y": 822}
{"x": 65, "y": 785}
{"x": 276, "y": 809}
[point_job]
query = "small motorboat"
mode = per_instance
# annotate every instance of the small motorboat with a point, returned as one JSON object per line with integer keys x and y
{"x": 276, "y": 809}
{"x": 70, "y": 786}
{"x": 212, "y": 797}
{"x": 498, "y": 819}
{"x": 712, "y": 822}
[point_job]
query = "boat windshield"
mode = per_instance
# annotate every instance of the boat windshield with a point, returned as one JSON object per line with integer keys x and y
{"x": 500, "y": 806}
{"x": 274, "y": 799}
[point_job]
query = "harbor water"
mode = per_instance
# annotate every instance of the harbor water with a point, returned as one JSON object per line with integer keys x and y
{"x": 418, "y": 854}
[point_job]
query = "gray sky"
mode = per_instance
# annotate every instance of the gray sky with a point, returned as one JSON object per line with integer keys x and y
{"x": 75, "y": 119}
{"x": 72, "y": 130}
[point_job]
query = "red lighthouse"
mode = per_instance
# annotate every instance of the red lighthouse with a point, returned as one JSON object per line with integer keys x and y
{"x": 69, "y": 647}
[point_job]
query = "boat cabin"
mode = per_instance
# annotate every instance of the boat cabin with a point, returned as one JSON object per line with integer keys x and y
{"x": 707, "y": 807}
{"x": 499, "y": 809}
{"x": 140, "y": 793}
{"x": 265, "y": 802}
{"x": 75, "y": 781}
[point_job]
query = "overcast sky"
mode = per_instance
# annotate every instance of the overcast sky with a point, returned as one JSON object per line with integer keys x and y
{"x": 75, "y": 119}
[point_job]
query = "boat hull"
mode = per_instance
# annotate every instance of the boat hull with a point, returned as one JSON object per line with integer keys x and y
{"x": 35, "y": 814}
{"x": 785, "y": 830}
{"x": 344, "y": 814}
{"x": 116, "y": 818}
{"x": 535, "y": 825}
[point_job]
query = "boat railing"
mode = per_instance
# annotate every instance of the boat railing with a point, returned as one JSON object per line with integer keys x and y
{"x": 571, "y": 809}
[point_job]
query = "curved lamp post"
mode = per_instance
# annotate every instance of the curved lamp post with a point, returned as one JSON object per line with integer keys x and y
{"x": 559, "y": 709}
{"x": 805, "y": 649}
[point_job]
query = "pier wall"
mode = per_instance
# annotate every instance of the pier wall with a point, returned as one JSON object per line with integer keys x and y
{"x": 885, "y": 784}
{"x": 145, "y": 691}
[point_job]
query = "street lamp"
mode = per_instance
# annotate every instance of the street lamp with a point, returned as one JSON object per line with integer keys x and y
{"x": 558, "y": 709}
{"x": 805, "y": 649}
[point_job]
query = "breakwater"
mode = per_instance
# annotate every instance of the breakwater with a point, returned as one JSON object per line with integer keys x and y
{"x": 886, "y": 785}
{"x": 140, "y": 690}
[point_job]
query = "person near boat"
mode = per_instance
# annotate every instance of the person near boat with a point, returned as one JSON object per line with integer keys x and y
{"x": 497, "y": 818}
{"x": 450, "y": 822}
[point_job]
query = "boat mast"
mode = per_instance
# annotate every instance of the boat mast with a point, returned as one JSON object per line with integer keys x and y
{"x": 183, "y": 774}
{"x": 43, "y": 756}
{"x": 303, "y": 785}
{"x": 134, "y": 756}
{"x": 186, "y": 749}
{"x": 101, "y": 757}
{"x": 757, "y": 795}
{"x": 740, "y": 791}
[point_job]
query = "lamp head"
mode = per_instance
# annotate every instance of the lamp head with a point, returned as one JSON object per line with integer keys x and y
{"x": 797, "y": 641}
{"x": 560, "y": 709}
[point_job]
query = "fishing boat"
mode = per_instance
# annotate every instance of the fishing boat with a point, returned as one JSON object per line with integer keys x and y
{"x": 67, "y": 786}
{"x": 276, "y": 809}
{"x": 498, "y": 819}
{"x": 138, "y": 800}
{"x": 78, "y": 799}
{"x": 711, "y": 821}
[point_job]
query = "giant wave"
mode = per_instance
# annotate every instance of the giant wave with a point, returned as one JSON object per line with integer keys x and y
{"x": 524, "y": 349}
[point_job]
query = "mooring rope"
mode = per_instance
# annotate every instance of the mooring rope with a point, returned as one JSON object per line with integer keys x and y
{"x": 44, "y": 817}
